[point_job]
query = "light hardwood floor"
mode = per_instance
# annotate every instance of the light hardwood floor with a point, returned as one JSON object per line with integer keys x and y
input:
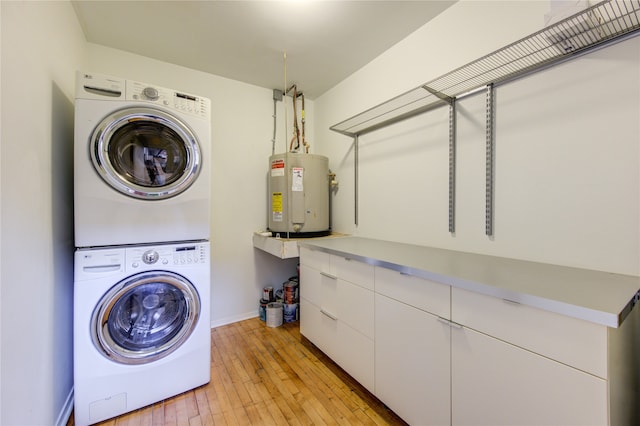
{"x": 266, "y": 376}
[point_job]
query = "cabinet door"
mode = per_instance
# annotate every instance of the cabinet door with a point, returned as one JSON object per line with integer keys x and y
{"x": 354, "y": 339}
{"x": 354, "y": 353}
{"x": 580, "y": 344}
{"x": 329, "y": 294}
{"x": 319, "y": 328}
{"x": 355, "y": 307}
{"x": 412, "y": 360}
{"x": 310, "y": 284}
{"x": 354, "y": 271}
{"x": 318, "y": 321}
{"x": 423, "y": 294}
{"x": 316, "y": 259}
{"x": 337, "y": 316}
{"x": 495, "y": 383}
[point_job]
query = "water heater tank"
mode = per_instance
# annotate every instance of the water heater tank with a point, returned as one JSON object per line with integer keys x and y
{"x": 298, "y": 195}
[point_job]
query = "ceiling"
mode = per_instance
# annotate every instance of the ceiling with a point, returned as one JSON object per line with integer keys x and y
{"x": 316, "y": 44}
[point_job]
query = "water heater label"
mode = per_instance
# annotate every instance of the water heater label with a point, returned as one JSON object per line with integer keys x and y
{"x": 277, "y": 168}
{"x": 296, "y": 179}
{"x": 276, "y": 206}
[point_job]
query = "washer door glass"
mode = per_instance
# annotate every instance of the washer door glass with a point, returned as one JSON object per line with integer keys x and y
{"x": 145, "y": 153}
{"x": 145, "y": 317}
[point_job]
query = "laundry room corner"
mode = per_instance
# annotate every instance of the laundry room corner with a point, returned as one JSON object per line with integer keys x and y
{"x": 464, "y": 185}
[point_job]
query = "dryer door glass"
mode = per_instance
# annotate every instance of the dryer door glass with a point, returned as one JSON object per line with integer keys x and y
{"x": 145, "y": 153}
{"x": 145, "y": 317}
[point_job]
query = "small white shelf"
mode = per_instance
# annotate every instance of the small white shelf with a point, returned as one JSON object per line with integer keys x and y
{"x": 284, "y": 248}
{"x": 279, "y": 247}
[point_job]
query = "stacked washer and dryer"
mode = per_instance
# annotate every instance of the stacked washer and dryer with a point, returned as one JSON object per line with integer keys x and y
{"x": 142, "y": 261}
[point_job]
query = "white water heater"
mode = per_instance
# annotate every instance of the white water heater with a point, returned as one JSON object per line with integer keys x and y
{"x": 298, "y": 195}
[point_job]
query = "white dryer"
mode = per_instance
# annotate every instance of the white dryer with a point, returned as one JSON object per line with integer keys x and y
{"x": 141, "y": 326}
{"x": 141, "y": 163}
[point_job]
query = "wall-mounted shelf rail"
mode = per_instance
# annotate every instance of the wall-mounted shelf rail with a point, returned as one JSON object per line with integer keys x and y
{"x": 594, "y": 27}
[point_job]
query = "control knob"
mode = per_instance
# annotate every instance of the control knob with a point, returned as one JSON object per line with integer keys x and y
{"x": 150, "y": 93}
{"x": 150, "y": 257}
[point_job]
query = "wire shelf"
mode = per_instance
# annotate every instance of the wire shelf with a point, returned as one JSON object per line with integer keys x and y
{"x": 591, "y": 28}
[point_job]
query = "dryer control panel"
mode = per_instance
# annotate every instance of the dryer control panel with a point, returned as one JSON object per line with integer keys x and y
{"x": 179, "y": 101}
{"x": 104, "y": 87}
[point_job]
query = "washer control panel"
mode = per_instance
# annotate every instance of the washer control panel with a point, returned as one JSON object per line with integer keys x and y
{"x": 149, "y": 257}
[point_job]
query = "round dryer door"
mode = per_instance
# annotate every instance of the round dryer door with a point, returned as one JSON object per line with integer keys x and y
{"x": 145, "y": 317}
{"x": 145, "y": 153}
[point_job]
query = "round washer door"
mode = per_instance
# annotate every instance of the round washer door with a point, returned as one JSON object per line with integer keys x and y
{"x": 145, "y": 317}
{"x": 145, "y": 153}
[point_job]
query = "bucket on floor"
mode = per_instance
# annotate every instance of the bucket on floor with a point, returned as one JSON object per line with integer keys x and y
{"x": 267, "y": 294}
{"x": 290, "y": 292}
{"x": 290, "y": 312}
{"x": 274, "y": 314}
{"x": 263, "y": 309}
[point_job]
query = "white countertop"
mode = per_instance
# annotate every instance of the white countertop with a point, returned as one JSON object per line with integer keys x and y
{"x": 600, "y": 297}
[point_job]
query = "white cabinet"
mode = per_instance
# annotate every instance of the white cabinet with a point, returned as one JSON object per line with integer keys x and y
{"x": 497, "y": 383}
{"x": 441, "y": 355}
{"x": 412, "y": 347}
{"x": 336, "y": 311}
{"x": 581, "y": 344}
{"x": 512, "y": 364}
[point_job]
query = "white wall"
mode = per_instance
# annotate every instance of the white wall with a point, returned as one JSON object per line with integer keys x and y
{"x": 0, "y": 211}
{"x": 42, "y": 44}
{"x": 241, "y": 133}
{"x": 464, "y": 32}
{"x": 567, "y": 148}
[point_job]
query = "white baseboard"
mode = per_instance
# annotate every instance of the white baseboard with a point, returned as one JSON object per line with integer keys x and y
{"x": 66, "y": 410}
{"x": 234, "y": 318}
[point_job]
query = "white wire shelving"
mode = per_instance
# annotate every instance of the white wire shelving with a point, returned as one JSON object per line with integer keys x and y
{"x": 595, "y": 27}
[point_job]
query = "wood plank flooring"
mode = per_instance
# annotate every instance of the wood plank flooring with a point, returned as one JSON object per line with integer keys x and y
{"x": 266, "y": 376}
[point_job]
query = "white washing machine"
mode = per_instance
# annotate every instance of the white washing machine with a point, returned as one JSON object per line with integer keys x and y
{"x": 141, "y": 326}
{"x": 141, "y": 163}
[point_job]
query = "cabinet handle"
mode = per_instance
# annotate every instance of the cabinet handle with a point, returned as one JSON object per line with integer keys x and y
{"x": 511, "y": 302}
{"x": 333, "y": 317}
{"x": 325, "y": 274}
{"x": 450, "y": 323}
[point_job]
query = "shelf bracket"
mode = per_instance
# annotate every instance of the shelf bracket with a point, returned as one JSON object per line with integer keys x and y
{"x": 489, "y": 161}
{"x": 448, "y": 99}
{"x": 355, "y": 171}
{"x": 452, "y": 165}
{"x": 452, "y": 153}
